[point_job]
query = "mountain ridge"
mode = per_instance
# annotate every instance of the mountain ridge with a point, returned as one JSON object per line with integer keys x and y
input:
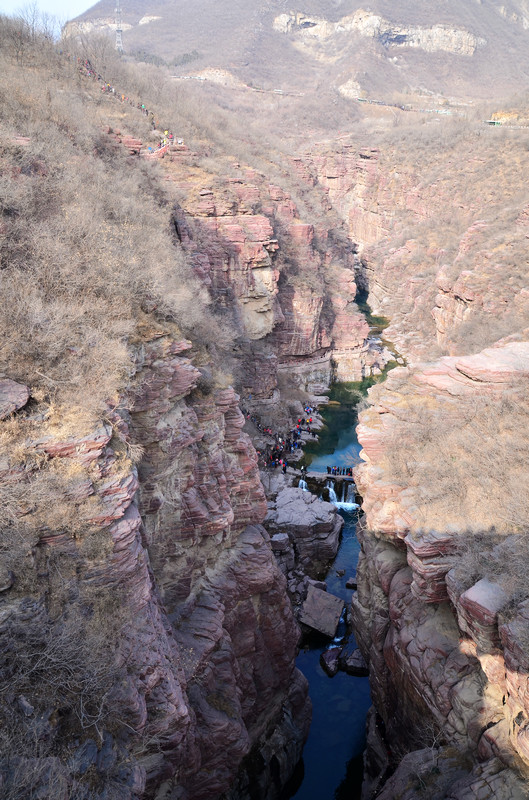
{"x": 469, "y": 50}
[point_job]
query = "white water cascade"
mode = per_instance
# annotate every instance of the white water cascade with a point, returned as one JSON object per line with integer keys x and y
{"x": 303, "y": 485}
{"x": 343, "y": 503}
{"x": 332, "y": 494}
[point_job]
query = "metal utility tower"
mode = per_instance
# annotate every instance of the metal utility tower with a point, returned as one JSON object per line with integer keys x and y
{"x": 119, "y": 39}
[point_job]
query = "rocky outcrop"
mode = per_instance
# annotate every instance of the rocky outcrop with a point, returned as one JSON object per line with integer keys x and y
{"x": 445, "y": 281}
{"x": 289, "y": 285}
{"x": 397, "y": 499}
{"x": 321, "y": 611}
{"x": 12, "y": 396}
{"x": 313, "y": 528}
{"x": 214, "y": 570}
{"x": 432, "y": 39}
{"x": 437, "y": 622}
{"x": 445, "y": 772}
{"x": 205, "y": 656}
{"x": 351, "y": 178}
{"x": 241, "y": 263}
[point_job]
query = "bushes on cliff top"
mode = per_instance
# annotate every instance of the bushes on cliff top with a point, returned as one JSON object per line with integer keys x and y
{"x": 499, "y": 559}
{"x": 444, "y": 179}
{"x": 58, "y": 679}
{"x": 464, "y": 463}
{"x": 85, "y": 246}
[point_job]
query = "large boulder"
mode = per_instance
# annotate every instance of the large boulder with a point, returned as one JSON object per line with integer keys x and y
{"x": 321, "y": 611}
{"x": 312, "y": 525}
{"x": 352, "y": 661}
{"x": 12, "y": 396}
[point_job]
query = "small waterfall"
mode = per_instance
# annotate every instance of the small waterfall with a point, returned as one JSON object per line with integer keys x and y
{"x": 344, "y": 502}
{"x": 332, "y": 494}
{"x": 303, "y": 485}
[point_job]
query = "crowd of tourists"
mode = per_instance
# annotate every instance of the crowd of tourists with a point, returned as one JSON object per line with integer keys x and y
{"x": 347, "y": 471}
{"x": 275, "y": 453}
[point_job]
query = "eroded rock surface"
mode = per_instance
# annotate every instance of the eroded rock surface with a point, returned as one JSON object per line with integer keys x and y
{"x": 313, "y": 528}
{"x": 437, "y": 611}
{"x": 209, "y": 638}
{"x": 13, "y": 396}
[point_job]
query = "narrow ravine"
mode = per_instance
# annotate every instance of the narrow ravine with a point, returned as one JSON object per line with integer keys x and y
{"x": 332, "y": 764}
{"x": 332, "y": 759}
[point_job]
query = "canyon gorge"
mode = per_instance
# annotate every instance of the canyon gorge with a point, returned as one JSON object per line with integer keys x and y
{"x": 163, "y": 305}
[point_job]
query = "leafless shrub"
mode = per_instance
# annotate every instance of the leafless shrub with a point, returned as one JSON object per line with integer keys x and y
{"x": 464, "y": 462}
{"x": 57, "y": 679}
{"x": 58, "y": 662}
{"x": 85, "y": 247}
{"x": 498, "y": 558}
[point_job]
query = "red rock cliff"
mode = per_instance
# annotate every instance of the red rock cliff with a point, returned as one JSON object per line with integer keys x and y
{"x": 440, "y": 610}
{"x": 207, "y": 644}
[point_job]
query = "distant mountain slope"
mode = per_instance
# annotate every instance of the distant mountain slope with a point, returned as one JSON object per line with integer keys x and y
{"x": 460, "y": 48}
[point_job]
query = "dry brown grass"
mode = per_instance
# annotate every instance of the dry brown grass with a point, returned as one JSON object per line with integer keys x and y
{"x": 57, "y": 683}
{"x": 464, "y": 460}
{"x": 85, "y": 247}
{"x": 499, "y": 559}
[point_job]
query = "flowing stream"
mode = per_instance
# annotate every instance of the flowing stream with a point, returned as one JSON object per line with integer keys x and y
{"x": 332, "y": 763}
{"x": 332, "y": 758}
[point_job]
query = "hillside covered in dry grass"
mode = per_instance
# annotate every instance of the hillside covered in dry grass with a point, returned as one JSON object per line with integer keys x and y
{"x": 147, "y": 640}
{"x": 426, "y": 54}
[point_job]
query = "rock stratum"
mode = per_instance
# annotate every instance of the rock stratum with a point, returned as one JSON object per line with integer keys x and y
{"x": 435, "y": 618}
{"x": 146, "y": 586}
{"x": 440, "y": 578}
{"x": 179, "y": 547}
{"x": 148, "y": 635}
{"x": 443, "y": 543}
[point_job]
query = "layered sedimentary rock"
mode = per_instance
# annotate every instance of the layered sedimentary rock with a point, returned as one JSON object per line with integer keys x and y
{"x": 376, "y": 200}
{"x": 206, "y": 502}
{"x": 443, "y": 267}
{"x": 167, "y": 561}
{"x": 438, "y": 612}
{"x": 206, "y": 651}
{"x": 351, "y": 177}
{"x": 288, "y": 284}
{"x": 312, "y": 526}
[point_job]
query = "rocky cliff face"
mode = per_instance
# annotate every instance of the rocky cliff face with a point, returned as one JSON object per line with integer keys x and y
{"x": 439, "y": 592}
{"x": 445, "y": 268}
{"x": 288, "y": 285}
{"x": 376, "y": 199}
{"x": 436, "y": 621}
{"x": 373, "y": 26}
{"x": 206, "y": 651}
{"x": 151, "y": 548}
